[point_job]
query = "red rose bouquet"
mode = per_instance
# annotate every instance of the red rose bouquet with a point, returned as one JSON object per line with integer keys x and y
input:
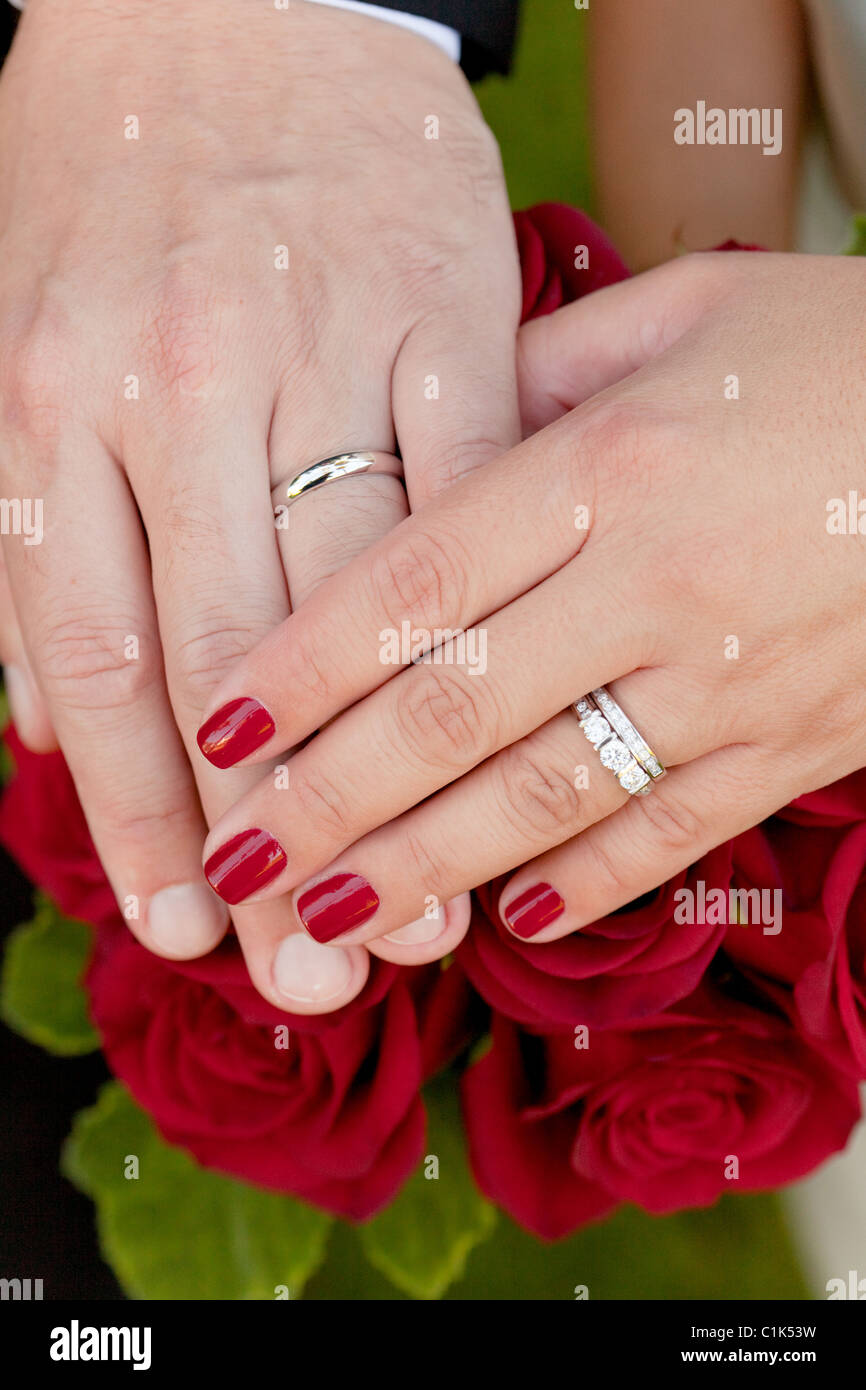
{"x": 656, "y": 1057}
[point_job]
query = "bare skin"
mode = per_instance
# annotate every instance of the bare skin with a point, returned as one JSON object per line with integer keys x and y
{"x": 709, "y": 516}
{"x": 657, "y": 198}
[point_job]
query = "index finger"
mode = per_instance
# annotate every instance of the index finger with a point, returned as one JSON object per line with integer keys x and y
{"x": 461, "y": 558}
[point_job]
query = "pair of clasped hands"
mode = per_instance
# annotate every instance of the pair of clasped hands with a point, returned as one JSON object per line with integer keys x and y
{"x": 155, "y": 260}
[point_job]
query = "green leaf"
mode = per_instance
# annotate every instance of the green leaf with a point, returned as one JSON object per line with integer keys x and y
{"x": 422, "y": 1240}
{"x": 7, "y": 762}
{"x": 41, "y": 995}
{"x": 858, "y": 236}
{"x": 479, "y": 1049}
{"x": 738, "y": 1250}
{"x": 546, "y": 91}
{"x": 179, "y": 1231}
{"x": 7, "y": 765}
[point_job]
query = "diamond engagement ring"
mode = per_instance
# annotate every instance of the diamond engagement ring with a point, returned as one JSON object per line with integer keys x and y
{"x": 616, "y": 740}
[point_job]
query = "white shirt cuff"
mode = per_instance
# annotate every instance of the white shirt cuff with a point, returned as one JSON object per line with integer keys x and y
{"x": 440, "y": 34}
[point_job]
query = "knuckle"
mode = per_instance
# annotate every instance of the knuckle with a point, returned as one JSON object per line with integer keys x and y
{"x": 443, "y": 717}
{"x": 490, "y": 154}
{"x": 676, "y": 827}
{"x": 616, "y": 433}
{"x": 628, "y": 444}
{"x": 37, "y": 387}
{"x": 536, "y": 794}
{"x": 608, "y": 876}
{"x": 435, "y": 263}
{"x": 189, "y": 525}
{"x": 207, "y": 653}
{"x": 450, "y": 463}
{"x": 598, "y": 456}
{"x": 426, "y": 268}
{"x": 140, "y": 824}
{"x": 845, "y": 714}
{"x": 210, "y": 644}
{"x": 697, "y": 281}
{"x": 478, "y": 160}
{"x": 301, "y": 324}
{"x": 84, "y": 663}
{"x": 324, "y": 803}
{"x": 422, "y": 579}
{"x": 184, "y": 341}
{"x": 425, "y": 866}
{"x": 314, "y": 672}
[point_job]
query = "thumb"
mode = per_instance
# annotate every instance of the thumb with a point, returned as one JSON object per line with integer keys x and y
{"x": 571, "y": 354}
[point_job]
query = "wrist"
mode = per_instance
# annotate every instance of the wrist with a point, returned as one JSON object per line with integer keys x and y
{"x": 333, "y": 27}
{"x": 441, "y": 35}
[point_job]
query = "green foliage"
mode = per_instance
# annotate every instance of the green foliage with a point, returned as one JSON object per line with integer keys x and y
{"x": 538, "y": 113}
{"x": 7, "y": 762}
{"x": 858, "y": 236}
{"x": 41, "y": 996}
{"x": 422, "y": 1240}
{"x": 172, "y": 1230}
{"x": 737, "y": 1250}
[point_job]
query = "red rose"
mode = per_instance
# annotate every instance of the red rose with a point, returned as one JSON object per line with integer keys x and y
{"x": 815, "y": 967}
{"x": 43, "y": 828}
{"x": 653, "y": 1115}
{"x": 842, "y": 803}
{"x": 335, "y": 1117}
{"x": 550, "y": 239}
{"x": 731, "y": 245}
{"x": 624, "y": 967}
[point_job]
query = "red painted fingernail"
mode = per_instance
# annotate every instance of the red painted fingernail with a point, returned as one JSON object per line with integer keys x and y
{"x": 533, "y": 910}
{"x": 236, "y": 730}
{"x": 336, "y": 905}
{"x": 244, "y": 864}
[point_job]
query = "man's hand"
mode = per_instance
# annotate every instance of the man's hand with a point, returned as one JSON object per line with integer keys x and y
{"x": 236, "y": 240}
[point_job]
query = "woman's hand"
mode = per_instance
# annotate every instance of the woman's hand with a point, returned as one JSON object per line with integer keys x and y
{"x": 229, "y": 250}
{"x": 707, "y": 590}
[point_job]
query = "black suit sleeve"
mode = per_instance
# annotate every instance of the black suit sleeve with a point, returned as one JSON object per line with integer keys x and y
{"x": 488, "y": 29}
{"x": 8, "y": 21}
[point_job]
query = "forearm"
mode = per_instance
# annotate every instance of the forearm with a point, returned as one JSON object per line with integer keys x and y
{"x": 646, "y": 62}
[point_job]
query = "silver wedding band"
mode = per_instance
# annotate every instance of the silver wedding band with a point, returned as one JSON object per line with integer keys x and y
{"x": 330, "y": 470}
{"x": 622, "y": 750}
